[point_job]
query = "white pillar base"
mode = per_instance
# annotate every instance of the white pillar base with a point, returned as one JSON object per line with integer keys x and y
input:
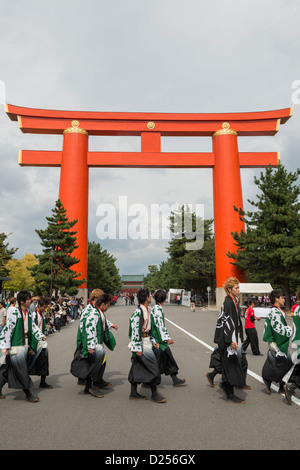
{"x": 83, "y": 292}
{"x": 220, "y": 296}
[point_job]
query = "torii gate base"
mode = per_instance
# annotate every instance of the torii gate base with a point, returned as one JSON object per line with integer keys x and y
{"x": 225, "y": 159}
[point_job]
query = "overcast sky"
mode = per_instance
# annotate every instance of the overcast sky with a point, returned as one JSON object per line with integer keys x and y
{"x": 176, "y": 56}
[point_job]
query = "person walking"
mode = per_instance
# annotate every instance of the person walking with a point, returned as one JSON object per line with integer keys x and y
{"x": 89, "y": 360}
{"x": 144, "y": 367}
{"x": 250, "y": 330}
{"x": 38, "y": 362}
{"x": 193, "y": 300}
{"x": 3, "y": 314}
{"x": 19, "y": 334}
{"x": 292, "y": 378}
{"x": 102, "y": 305}
{"x": 165, "y": 358}
{"x": 277, "y": 333}
{"x": 227, "y": 334}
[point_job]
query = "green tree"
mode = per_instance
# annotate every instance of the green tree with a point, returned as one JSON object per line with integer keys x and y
{"x": 102, "y": 271}
{"x": 56, "y": 262}
{"x": 199, "y": 267}
{"x": 193, "y": 260}
{"x": 6, "y": 254}
{"x": 163, "y": 276}
{"x": 152, "y": 278}
{"x": 19, "y": 271}
{"x": 269, "y": 248}
{"x": 188, "y": 266}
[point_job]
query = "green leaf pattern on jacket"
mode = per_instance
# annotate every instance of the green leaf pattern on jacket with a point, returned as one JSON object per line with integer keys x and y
{"x": 276, "y": 330}
{"x": 88, "y": 322}
{"x": 159, "y": 322}
{"x": 134, "y": 331}
{"x": 11, "y": 334}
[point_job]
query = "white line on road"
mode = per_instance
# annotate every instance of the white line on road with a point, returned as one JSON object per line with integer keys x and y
{"x": 253, "y": 374}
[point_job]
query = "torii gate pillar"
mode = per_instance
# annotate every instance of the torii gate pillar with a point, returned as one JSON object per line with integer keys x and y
{"x": 227, "y": 190}
{"x": 74, "y": 191}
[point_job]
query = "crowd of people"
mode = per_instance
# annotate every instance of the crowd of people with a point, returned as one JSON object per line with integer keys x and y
{"x": 58, "y": 312}
{"x": 24, "y": 350}
{"x": 26, "y": 321}
{"x": 129, "y": 298}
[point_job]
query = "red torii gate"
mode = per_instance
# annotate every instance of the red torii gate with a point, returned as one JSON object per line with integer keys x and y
{"x": 75, "y": 160}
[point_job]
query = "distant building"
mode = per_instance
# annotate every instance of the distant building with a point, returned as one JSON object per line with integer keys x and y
{"x": 131, "y": 283}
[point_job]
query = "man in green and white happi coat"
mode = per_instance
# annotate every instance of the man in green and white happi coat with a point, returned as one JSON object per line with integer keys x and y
{"x": 292, "y": 378}
{"x": 38, "y": 363}
{"x": 165, "y": 358}
{"x": 19, "y": 334}
{"x": 144, "y": 367}
{"x": 277, "y": 333}
{"x": 90, "y": 358}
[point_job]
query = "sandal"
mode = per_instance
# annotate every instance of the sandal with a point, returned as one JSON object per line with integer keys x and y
{"x": 32, "y": 399}
{"x": 158, "y": 398}
{"x": 45, "y": 385}
{"x": 137, "y": 396}
{"x": 104, "y": 384}
{"x": 94, "y": 392}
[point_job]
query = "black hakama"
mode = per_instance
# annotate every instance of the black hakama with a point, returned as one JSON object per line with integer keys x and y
{"x": 234, "y": 368}
{"x": 38, "y": 363}
{"x": 144, "y": 369}
{"x": 92, "y": 367}
{"x": 275, "y": 367}
{"x": 166, "y": 362}
{"x": 216, "y": 364}
{"x": 17, "y": 372}
{"x": 295, "y": 375}
{"x": 216, "y": 361}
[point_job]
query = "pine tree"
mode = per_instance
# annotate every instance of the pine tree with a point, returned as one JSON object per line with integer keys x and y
{"x": 269, "y": 248}
{"x": 186, "y": 268}
{"x": 199, "y": 267}
{"x": 6, "y": 254}
{"x": 54, "y": 271}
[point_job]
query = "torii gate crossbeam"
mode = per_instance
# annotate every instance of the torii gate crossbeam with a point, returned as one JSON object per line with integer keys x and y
{"x": 225, "y": 159}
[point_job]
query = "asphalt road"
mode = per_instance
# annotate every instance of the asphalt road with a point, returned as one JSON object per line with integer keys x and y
{"x": 195, "y": 417}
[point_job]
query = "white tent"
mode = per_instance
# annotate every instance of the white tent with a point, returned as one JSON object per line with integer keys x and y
{"x": 255, "y": 288}
{"x": 173, "y": 293}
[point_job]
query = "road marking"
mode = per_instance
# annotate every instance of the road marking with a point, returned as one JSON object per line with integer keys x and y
{"x": 253, "y": 374}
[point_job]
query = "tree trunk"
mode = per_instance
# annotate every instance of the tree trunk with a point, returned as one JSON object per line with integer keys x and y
{"x": 286, "y": 290}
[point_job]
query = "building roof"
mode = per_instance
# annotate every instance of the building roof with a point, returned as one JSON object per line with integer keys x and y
{"x": 132, "y": 286}
{"x": 133, "y": 278}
